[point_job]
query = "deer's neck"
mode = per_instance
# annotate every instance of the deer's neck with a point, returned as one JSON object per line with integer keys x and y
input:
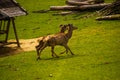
{"x": 69, "y": 34}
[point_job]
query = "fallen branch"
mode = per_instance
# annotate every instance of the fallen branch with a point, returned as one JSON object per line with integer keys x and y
{"x": 40, "y": 11}
{"x": 113, "y": 8}
{"x": 110, "y": 17}
{"x": 77, "y": 3}
{"x": 79, "y": 8}
{"x": 65, "y": 13}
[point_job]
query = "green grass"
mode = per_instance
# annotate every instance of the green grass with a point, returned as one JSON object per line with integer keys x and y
{"x": 95, "y": 45}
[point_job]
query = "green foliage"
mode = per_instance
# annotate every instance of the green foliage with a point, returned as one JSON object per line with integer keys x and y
{"x": 95, "y": 45}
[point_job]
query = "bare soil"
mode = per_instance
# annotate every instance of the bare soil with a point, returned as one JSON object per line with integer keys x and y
{"x": 25, "y": 45}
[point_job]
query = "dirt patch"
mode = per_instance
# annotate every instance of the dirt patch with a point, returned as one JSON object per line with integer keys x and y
{"x": 25, "y": 45}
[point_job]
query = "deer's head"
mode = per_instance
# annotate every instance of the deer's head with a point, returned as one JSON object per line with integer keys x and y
{"x": 71, "y": 27}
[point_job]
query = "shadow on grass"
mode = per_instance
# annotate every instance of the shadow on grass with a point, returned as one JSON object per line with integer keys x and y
{"x": 7, "y": 51}
{"x": 68, "y": 56}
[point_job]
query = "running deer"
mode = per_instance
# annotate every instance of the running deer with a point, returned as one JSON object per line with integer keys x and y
{"x": 60, "y": 38}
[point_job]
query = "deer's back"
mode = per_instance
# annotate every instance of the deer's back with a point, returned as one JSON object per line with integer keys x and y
{"x": 58, "y": 39}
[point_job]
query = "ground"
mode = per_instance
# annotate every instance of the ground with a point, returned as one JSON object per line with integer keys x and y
{"x": 25, "y": 45}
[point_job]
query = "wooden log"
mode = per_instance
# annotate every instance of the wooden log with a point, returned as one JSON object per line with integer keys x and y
{"x": 114, "y": 8}
{"x": 65, "y": 13}
{"x": 79, "y": 8}
{"x": 76, "y": 3}
{"x": 98, "y": 1}
{"x": 85, "y": 2}
{"x": 109, "y": 17}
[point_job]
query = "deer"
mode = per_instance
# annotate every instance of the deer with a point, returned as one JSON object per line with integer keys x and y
{"x": 60, "y": 38}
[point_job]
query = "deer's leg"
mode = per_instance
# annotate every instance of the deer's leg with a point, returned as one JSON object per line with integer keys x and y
{"x": 67, "y": 48}
{"x": 39, "y": 49}
{"x": 64, "y": 51}
{"x": 53, "y": 53}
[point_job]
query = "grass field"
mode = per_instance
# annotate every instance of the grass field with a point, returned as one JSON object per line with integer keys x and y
{"x": 96, "y": 45}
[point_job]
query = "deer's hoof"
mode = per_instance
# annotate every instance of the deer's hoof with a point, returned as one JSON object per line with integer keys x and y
{"x": 72, "y": 54}
{"x": 57, "y": 56}
{"x": 38, "y": 58}
{"x": 62, "y": 52}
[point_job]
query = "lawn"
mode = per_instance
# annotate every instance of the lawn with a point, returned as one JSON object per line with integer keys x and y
{"x": 96, "y": 45}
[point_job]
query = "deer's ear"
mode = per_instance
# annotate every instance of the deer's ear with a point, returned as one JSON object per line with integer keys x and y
{"x": 60, "y": 25}
{"x": 69, "y": 24}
